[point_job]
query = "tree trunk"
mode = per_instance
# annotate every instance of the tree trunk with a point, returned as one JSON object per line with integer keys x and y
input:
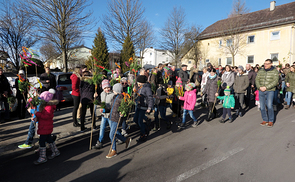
{"x": 233, "y": 56}
{"x": 65, "y": 60}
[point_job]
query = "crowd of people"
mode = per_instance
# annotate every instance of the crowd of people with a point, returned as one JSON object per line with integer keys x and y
{"x": 156, "y": 90}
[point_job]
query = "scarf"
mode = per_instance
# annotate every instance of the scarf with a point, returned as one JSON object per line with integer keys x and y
{"x": 212, "y": 77}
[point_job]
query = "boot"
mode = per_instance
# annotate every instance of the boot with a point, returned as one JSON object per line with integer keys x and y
{"x": 55, "y": 151}
{"x": 42, "y": 156}
{"x": 209, "y": 117}
{"x": 98, "y": 145}
{"x": 168, "y": 125}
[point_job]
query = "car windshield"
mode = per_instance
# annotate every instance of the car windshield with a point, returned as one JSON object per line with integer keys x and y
{"x": 64, "y": 79}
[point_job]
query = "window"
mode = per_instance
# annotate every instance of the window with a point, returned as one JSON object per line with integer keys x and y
{"x": 250, "y": 60}
{"x": 207, "y": 60}
{"x": 189, "y": 62}
{"x": 163, "y": 53}
{"x": 220, "y": 43}
{"x": 163, "y": 61}
{"x": 151, "y": 54}
{"x": 274, "y": 57}
{"x": 251, "y": 39}
{"x": 275, "y": 35}
{"x": 229, "y": 42}
{"x": 166, "y": 58}
{"x": 219, "y": 61}
{"x": 229, "y": 61}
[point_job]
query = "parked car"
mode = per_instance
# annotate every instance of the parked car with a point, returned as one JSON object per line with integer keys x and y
{"x": 65, "y": 83}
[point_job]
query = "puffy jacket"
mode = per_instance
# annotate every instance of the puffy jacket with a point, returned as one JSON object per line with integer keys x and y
{"x": 267, "y": 78}
{"x": 229, "y": 101}
{"x": 75, "y": 84}
{"x": 256, "y": 95}
{"x": 107, "y": 98}
{"x": 189, "y": 98}
{"x": 204, "y": 79}
{"x": 211, "y": 88}
{"x": 45, "y": 118}
{"x": 241, "y": 83}
{"x": 290, "y": 78}
{"x": 4, "y": 84}
{"x": 145, "y": 99}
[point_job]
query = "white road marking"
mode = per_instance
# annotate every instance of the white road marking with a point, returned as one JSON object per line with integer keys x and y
{"x": 204, "y": 166}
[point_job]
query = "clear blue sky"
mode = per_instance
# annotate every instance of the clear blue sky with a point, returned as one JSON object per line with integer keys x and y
{"x": 198, "y": 12}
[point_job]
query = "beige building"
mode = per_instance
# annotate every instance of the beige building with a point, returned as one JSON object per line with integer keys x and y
{"x": 250, "y": 38}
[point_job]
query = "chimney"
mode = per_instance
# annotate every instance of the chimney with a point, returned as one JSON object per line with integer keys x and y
{"x": 272, "y": 5}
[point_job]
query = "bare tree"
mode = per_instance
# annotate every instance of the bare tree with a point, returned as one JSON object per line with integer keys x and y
{"x": 124, "y": 17}
{"x": 147, "y": 39}
{"x": 238, "y": 8}
{"x": 173, "y": 33}
{"x": 48, "y": 51}
{"x": 190, "y": 49}
{"x": 61, "y": 22}
{"x": 16, "y": 30}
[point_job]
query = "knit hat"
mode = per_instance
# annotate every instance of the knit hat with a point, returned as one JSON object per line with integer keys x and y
{"x": 189, "y": 86}
{"x": 170, "y": 82}
{"x": 178, "y": 81}
{"x": 241, "y": 67}
{"x": 227, "y": 90}
{"x": 21, "y": 72}
{"x": 118, "y": 88}
{"x": 124, "y": 79}
{"x": 46, "y": 96}
{"x": 105, "y": 83}
{"x": 141, "y": 79}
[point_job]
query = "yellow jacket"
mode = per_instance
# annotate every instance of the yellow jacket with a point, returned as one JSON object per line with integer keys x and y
{"x": 169, "y": 92}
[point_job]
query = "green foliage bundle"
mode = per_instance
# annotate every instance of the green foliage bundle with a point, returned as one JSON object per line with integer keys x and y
{"x": 23, "y": 85}
{"x": 125, "y": 105}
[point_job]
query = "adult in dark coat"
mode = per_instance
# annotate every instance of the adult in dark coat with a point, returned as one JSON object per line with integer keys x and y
{"x": 87, "y": 94}
{"x": 184, "y": 75}
{"x": 251, "y": 75}
{"x": 211, "y": 91}
{"x": 21, "y": 97}
{"x": 48, "y": 80}
{"x": 4, "y": 90}
{"x": 160, "y": 74}
{"x": 173, "y": 74}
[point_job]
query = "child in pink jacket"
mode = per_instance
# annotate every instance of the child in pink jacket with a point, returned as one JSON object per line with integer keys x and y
{"x": 257, "y": 103}
{"x": 189, "y": 98}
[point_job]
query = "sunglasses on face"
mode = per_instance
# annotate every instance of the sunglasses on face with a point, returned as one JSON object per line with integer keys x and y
{"x": 124, "y": 83}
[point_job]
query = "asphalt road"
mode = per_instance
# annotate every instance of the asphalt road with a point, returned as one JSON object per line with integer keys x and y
{"x": 238, "y": 151}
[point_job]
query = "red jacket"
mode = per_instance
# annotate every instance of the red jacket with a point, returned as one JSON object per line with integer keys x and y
{"x": 45, "y": 120}
{"x": 75, "y": 85}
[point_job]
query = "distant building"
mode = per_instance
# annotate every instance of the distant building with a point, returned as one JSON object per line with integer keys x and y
{"x": 264, "y": 34}
{"x": 76, "y": 56}
{"x": 114, "y": 57}
{"x": 155, "y": 56}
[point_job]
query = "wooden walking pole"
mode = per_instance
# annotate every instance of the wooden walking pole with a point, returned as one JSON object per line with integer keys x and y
{"x": 93, "y": 119}
{"x": 36, "y": 71}
{"x": 26, "y": 72}
{"x": 114, "y": 135}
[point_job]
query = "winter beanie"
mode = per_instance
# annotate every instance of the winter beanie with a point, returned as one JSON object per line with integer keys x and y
{"x": 46, "y": 96}
{"x": 170, "y": 82}
{"x": 227, "y": 90}
{"x": 241, "y": 67}
{"x": 189, "y": 86}
{"x": 118, "y": 88}
{"x": 178, "y": 81}
{"x": 141, "y": 79}
{"x": 105, "y": 83}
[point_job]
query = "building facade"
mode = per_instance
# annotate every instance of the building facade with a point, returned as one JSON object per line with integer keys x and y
{"x": 154, "y": 57}
{"x": 256, "y": 36}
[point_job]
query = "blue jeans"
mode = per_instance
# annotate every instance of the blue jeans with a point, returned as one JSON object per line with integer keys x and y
{"x": 31, "y": 133}
{"x": 266, "y": 99}
{"x": 113, "y": 126}
{"x": 103, "y": 124}
{"x": 191, "y": 113}
{"x": 289, "y": 98}
{"x": 138, "y": 119}
{"x": 162, "y": 110}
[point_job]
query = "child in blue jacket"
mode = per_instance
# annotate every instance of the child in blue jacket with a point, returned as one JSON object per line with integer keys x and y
{"x": 228, "y": 104}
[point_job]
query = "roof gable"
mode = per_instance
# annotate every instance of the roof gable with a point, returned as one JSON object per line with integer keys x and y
{"x": 283, "y": 14}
